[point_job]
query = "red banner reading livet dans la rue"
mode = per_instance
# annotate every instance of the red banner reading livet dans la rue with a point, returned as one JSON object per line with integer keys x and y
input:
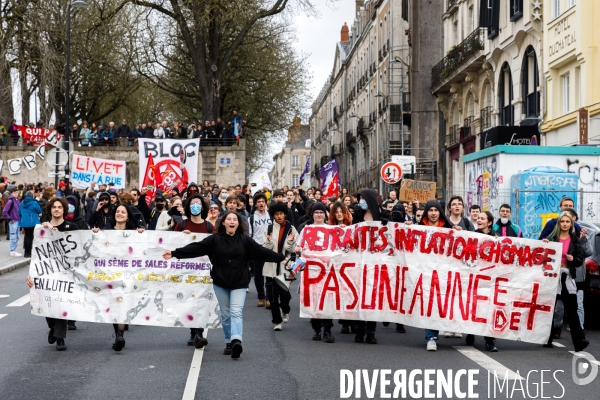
{"x": 431, "y": 278}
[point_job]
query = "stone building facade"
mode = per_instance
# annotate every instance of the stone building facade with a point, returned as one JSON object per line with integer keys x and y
{"x": 291, "y": 160}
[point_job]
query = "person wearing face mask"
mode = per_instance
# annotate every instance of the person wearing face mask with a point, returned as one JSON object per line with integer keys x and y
{"x": 176, "y": 213}
{"x": 74, "y": 214}
{"x": 504, "y": 227}
{"x": 157, "y": 211}
{"x": 196, "y": 212}
{"x": 101, "y": 216}
{"x": 369, "y": 210}
{"x": 419, "y": 215}
{"x": 433, "y": 215}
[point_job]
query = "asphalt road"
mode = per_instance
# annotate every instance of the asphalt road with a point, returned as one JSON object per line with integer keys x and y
{"x": 157, "y": 364}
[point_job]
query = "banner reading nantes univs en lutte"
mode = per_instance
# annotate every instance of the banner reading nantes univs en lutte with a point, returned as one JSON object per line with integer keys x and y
{"x": 176, "y": 160}
{"x": 431, "y": 278}
{"x": 120, "y": 277}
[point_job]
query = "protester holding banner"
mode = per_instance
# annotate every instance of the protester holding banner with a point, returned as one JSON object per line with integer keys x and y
{"x": 280, "y": 237}
{"x": 433, "y": 215}
{"x": 573, "y": 255}
{"x": 74, "y": 213}
{"x": 456, "y": 206}
{"x": 229, "y": 251}
{"x": 57, "y": 208}
{"x": 257, "y": 224}
{"x": 485, "y": 222}
{"x": 101, "y": 216}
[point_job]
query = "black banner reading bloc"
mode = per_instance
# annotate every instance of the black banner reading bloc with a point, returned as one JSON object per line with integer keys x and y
{"x": 489, "y": 13}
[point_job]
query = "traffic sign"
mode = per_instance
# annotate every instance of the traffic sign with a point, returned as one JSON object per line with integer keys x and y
{"x": 407, "y": 163}
{"x": 391, "y": 173}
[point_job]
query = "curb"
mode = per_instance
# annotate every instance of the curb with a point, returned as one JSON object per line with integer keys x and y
{"x": 17, "y": 264}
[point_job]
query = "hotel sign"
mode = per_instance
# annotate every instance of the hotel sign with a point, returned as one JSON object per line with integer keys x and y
{"x": 562, "y": 37}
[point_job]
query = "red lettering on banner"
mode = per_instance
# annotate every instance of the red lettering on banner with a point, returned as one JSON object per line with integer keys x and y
{"x": 363, "y": 300}
{"x": 515, "y": 318}
{"x": 373, "y": 238}
{"x": 489, "y": 251}
{"x": 405, "y": 240}
{"x": 349, "y": 239}
{"x": 403, "y": 290}
{"x": 532, "y": 305}
{"x": 307, "y": 281}
{"x": 524, "y": 256}
{"x": 477, "y": 298}
{"x": 335, "y": 288}
{"x": 417, "y": 293}
{"x": 547, "y": 259}
{"x": 349, "y": 284}
{"x": 335, "y": 242}
{"x": 386, "y": 289}
{"x": 498, "y": 291}
{"x": 464, "y": 307}
{"x": 435, "y": 292}
{"x": 470, "y": 252}
{"x": 360, "y": 237}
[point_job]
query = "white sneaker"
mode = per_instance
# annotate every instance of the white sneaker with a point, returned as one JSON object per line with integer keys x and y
{"x": 247, "y": 290}
{"x": 277, "y": 327}
{"x": 431, "y": 345}
{"x": 12, "y": 253}
{"x": 286, "y": 318}
{"x": 448, "y": 334}
{"x": 457, "y": 335}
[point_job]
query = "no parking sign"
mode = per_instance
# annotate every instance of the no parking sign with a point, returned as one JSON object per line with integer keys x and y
{"x": 391, "y": 173}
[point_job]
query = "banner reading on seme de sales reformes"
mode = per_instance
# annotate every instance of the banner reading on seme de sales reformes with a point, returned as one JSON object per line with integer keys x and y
{"x": 430, "y": 278}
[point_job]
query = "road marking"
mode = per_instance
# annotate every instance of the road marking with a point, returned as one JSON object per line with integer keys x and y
{"x": 20, "y": 302}
{"x": 592, "y": 361}
{"x": 3, "y": 315}
{"x": 487, "y": 362}
{"x": 558, "y": 344}
{"x": 3, "y": 296}
{"x": 189, "y": 393}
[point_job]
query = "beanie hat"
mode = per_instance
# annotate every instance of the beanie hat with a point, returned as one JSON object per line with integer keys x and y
{"x": 319, "y": 207}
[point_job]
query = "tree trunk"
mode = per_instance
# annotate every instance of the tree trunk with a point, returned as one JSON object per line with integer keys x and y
{"x": 25, "y": 98}
{"x": 7, "y": 110}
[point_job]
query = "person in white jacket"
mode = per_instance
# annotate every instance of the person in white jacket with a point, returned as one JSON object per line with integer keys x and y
{"x": 159, "y": 133}
{"x": 281, "y": 238}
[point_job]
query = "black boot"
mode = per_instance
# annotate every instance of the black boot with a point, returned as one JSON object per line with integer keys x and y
{"x": 236, "y": 348}
{"x": 119, "y": 341}
{"x": 400, "y": 328}
{"x": 317, "y": 335}
{"x": 360, "y": 337}
{"x": 470, "y": 339}
{"x": 60, "y": 344}
{"x": 345, "y": 329}
{"x": 51, "y": 337}
{"x": 328, "y": 337}
{"x": 200, "y": 341}
{"x": 371, "y": 338}
{"x": 227, "y": 350}
{"x": 192, "y": 340}
{"x": 71, "y": 326}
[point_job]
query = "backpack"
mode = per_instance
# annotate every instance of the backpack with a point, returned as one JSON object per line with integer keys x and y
{"x": 209, "y": 226}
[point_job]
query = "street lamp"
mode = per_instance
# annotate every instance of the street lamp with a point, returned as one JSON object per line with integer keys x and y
{"x": 73, "y": 4}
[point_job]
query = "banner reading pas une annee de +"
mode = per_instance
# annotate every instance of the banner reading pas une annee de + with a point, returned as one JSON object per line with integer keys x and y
{"x": 432, "y": 278}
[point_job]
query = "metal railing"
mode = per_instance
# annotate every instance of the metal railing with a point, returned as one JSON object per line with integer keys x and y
{"x": 452, "y": 136}
{"x": 452, "y": 3}
{"x": 485, "y": 118}
{"x": 350, "y": 137}
{"x": 456, "y": 57}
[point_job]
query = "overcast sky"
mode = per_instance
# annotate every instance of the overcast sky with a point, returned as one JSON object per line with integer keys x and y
{"x": 317, "y": 37}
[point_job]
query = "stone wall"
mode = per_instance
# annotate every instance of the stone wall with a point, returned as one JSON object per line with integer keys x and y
{"x": 212, "y": 163}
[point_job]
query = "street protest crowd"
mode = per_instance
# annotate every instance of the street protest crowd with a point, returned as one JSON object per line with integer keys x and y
{"x": 250, "y": 236}
{"x": 210, "y": 133}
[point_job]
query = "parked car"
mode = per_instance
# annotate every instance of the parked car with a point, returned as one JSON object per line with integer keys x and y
{"x": 592, "y": 275}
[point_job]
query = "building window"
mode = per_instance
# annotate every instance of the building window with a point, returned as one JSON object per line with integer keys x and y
{"x": 295, "y": 180}
{"x": 506, "y": 96}
{"x": 570, "y": 3}
{"x": 295, "y": 161}
{"x": 530, "y": 84}
{"x": 565, "y": 93}
{"x": 516, "y": 9}
{"x": 555, "y": 8}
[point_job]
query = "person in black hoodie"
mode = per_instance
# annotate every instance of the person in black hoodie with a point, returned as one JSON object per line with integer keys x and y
{"x": 101, "y": 215}
{"x": 74, "y": 213}
{"x": 433, "y": 215}
{"x": 229, "y": 251}
{"x": 369, "y": 210}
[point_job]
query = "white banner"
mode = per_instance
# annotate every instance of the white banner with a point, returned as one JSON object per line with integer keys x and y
{"x": 431, "y": 278}
{"x": 168, "y": 158}
{"x": 120, "y": 277}
{"x": 89, "y": 169}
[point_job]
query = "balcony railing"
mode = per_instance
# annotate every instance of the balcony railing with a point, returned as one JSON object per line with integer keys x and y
{"x": 324, "y": 160}
{"x": 456, "y": 57}
{"x": 336, "y": 150}
{"x": 362, "y": 127}
{"x": 452, "y": 3}
{"x": 350, "y": 137}
{"x": 452, "y": 137}
{"x": 485, "y": 118}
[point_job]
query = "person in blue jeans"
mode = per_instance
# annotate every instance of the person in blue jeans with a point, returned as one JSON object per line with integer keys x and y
{"x": 229, "y": 251}
{"x": 433, "y": 215}
{"x": 11, "y": 213}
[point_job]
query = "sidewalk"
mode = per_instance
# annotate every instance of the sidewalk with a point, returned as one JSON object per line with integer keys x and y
{"x": 8, "y": 263}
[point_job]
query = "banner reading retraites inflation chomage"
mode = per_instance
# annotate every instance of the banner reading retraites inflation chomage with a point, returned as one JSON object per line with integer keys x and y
{"x": 89, "y": 169}
{"x": 176, "y": 160}
{"x": 121, "y": 277}
{"x": 431, "y": 278}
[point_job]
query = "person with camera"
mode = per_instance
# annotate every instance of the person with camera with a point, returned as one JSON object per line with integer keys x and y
{"x": 101, "y": 216}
